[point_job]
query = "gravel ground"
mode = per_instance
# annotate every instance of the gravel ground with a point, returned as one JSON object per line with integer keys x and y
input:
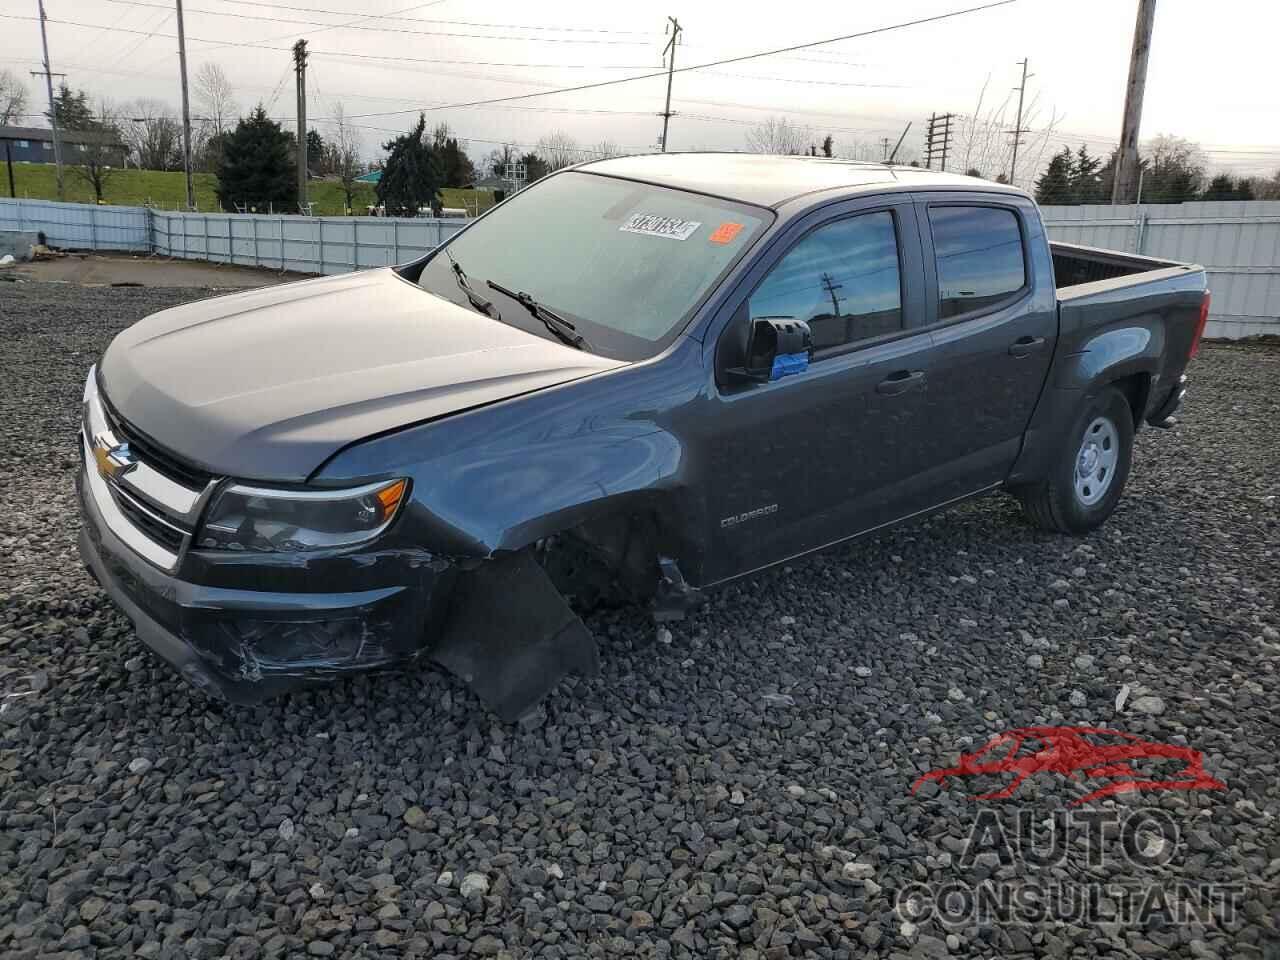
{"x": 744, "y": 788}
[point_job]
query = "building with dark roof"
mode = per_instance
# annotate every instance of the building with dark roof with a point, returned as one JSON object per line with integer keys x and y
{"x": 35, "y": 145}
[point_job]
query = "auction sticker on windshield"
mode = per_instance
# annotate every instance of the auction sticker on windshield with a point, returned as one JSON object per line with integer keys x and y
{"x": 653, "y": 225}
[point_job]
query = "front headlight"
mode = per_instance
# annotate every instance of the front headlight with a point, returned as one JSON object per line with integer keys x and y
{"x": 259, "y": 518}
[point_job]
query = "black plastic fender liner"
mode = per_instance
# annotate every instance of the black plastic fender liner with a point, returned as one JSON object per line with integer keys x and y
{"x": 511, "y": 637}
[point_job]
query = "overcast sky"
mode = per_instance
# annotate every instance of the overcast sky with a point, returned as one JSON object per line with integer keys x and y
{"x": 1212, "y": 75}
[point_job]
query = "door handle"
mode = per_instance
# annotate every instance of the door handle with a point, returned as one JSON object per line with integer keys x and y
{"x": 900, "y": 382}
{"x": 1025, "y": 346}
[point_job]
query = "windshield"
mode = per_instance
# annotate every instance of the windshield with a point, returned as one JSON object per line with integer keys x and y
{"x": 625, "y": 262}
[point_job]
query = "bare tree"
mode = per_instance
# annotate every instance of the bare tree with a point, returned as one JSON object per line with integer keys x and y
{"x": 984, "y": 141}
{"x": 495, "y": 164}
{"x": 779, "y": 135}
{"x": 865, "y": 150}
{"x": 13, "y": 98}
{"x": 343, "y": 149}
{"x": 154, "y": 135}
{"x": 101, "y": 149}
{"x": 604, "y": 150}
{"x": 559, "y": 150}
{"x": 1266, "y": 189}
{"x": 215, "y": 97}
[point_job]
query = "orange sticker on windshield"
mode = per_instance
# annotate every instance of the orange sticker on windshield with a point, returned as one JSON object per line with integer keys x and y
{"x": 726, "y": 232}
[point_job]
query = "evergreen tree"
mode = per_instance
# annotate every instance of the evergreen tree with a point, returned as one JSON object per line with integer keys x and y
{"x": 535, "y": 167}
{"x": 459, "y": 171}
{"x": 1055, "y": 184}
{"x": 72, "y": 109}
{"x": 1085, "y": 180}
{"x": 412, "y": 176}
{"x": 1221, "y": 187}
{"x": 257, "y": 166}
{"x": 315, "y": 150}
{"x": 828, "y": 146}
{"x": 1244, "y": 189}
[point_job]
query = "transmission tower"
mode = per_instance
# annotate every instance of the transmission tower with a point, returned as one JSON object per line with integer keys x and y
{"x": 937, "y": 140}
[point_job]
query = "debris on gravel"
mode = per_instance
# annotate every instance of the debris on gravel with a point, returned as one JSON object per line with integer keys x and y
{"x": 746, "y": 788}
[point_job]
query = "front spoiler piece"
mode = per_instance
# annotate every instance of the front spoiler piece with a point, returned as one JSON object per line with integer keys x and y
{"x": 511, "y": 637}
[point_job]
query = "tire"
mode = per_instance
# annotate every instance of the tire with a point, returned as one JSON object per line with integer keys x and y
{"x": 1087, "y": 478}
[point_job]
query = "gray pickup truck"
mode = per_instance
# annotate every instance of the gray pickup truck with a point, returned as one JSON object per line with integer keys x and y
{"x": 638, "y": 378}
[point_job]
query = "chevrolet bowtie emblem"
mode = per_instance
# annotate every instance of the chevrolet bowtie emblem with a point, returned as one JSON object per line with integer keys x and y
{"x": 113, "y": 461}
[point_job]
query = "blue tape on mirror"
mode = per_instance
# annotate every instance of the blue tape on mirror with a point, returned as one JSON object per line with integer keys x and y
{"x": 786, "y": 364}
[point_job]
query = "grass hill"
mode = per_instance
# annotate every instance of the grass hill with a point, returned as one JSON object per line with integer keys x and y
{"x": 167, "y": 190}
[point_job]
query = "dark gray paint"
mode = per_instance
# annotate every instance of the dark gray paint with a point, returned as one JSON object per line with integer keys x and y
{"x": 267, "y": 384}
{"x": 524, "y": 437}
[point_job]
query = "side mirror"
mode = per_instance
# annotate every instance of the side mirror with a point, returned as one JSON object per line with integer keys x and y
{"x": 777, "y": 347}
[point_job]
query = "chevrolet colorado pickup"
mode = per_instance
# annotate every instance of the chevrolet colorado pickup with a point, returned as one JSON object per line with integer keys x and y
{"x": 639, "y": 377}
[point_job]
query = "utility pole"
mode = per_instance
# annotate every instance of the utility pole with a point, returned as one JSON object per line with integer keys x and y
{"x": 186, "y": 112}
{"x": 898, "y": 145}
{"x": 300, "y": 70}
{"x": 8, "y": 159}
{"x": 669, "y": 53}
{"x": 1126, "y": 173}
{"x": 831, "y": 287}
{"x": 884, "y": 145}
{"x": 938, "y": 139}
{"x": 1017, "y": 130}
{"x": 53, "y": 113}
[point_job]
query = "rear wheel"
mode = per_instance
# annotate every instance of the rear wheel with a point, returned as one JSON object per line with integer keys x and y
{"x": 1087, "y": 478}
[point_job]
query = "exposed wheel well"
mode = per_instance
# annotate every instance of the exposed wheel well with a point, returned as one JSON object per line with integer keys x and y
{"x": 609, "y": 561}
{"x": 1137, "y": 390}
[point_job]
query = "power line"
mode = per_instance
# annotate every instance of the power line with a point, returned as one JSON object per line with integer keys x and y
{"x": 396, "y": 29}
{"x": 128, "y": 45}
{"x": 275, "y": 93}
{"x": 260, "y": 45}
{"x": 482, "y": 63}
{"x": 806, "y": 80}
{"x": 466, "y": 23}
{"x": 715, "y": 63}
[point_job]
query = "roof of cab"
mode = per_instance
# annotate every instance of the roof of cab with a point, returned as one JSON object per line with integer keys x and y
{"x": 770, "y": 181}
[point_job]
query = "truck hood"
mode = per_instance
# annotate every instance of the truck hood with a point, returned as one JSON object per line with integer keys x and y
{"x": 268, "y": 384}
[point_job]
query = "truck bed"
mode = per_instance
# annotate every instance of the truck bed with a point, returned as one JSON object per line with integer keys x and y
{"x": 1112, "y": 303}
{"x": 1075, "y": 265}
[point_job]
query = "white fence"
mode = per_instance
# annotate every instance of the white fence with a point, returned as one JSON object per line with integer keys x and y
{"x": 79, "y": 226}
{"x": 302, "y": 244}
{"x": 1237, "y": 241}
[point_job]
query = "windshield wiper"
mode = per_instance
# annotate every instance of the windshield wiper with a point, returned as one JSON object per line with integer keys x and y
{"x": 477, "y": 301}
{"x": 557, "y": 324}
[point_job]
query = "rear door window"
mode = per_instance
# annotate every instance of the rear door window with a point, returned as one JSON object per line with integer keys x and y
{"x": 979, "y": 257}
{"x": 842, "y": 279}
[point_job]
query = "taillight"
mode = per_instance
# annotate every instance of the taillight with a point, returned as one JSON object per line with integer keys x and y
{"x": 1199, "y": 331}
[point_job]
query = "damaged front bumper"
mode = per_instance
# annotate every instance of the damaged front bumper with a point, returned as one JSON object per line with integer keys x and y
{"x": 247, "y": 645}
{"x": 500, "y": 627}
